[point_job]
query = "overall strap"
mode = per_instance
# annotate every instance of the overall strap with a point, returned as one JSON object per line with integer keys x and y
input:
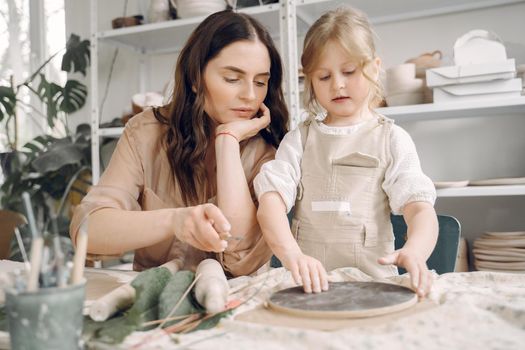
{"x": 303, "y": 131}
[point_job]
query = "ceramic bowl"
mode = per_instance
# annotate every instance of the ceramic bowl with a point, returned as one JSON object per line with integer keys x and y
{"x": 402, "y": 72}
{"x": 403, "y": 99}
{"x": 403, "y": 86}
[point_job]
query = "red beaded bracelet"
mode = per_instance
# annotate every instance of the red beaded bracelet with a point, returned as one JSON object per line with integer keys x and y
{"x": 227, "y": 133}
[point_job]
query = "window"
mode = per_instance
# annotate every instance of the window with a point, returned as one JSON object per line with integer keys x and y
{"x": 24, "y": 27}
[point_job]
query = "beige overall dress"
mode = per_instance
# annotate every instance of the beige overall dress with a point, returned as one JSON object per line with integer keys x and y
{"x": 342, "y": 215}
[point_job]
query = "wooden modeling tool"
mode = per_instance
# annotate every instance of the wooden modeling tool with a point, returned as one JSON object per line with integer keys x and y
{"x": 120, "y": 298}
{"x": 22, "y": 249}
{"x": 37, "y": 244}
{"x": 79, "y": 259}
{"x": 226, "y": 236}
{"x": 344, "y": 300}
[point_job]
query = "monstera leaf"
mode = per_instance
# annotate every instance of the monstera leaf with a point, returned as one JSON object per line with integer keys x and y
{"x": 57, "y": 157}
{"x": 69, "y": 98}
{"x": 73, "y": 96}
{"x": 7, "y": 101}
{"x": 77, "y": 55}
{"x": 50, "y": 94}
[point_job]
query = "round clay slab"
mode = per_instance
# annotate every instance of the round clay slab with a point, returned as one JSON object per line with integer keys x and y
{"x": 344, "y": 300}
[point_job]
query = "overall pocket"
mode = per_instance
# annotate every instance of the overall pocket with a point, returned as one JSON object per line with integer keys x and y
{"x": 353, "y": 178}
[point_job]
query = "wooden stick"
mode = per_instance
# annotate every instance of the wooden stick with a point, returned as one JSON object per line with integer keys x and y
{"x": 36, "y": 245}
{"x": 182, "y": 298}
{"x": 80, "y": 254}
{"x": 107, "y": 305}
{"x": 120, "y": 298}
{"x": 174, "y": 318}
{"x": 30, "y": 215}
{"x": 36, "y": 257}
{"x": 22, "y": 249}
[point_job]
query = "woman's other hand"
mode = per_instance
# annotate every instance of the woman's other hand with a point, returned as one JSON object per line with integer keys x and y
{"x": 244, "y": 129}
{"x": 202, "y": 226}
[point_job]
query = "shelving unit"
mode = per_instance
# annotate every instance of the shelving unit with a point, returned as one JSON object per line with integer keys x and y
{"x": 455, "y": 110}
{"x": 482, "y": 191}
{"x": 170, "y": 36}
{"x": 287, "y": 21}
{"x": 161, "y": 38}
{"x": 393, "y": 11}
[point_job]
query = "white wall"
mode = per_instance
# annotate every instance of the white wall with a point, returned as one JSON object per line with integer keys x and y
{"x": 450, "y": 149}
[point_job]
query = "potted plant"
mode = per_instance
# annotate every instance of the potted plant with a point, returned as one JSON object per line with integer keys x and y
{"x": 48, "y": 165}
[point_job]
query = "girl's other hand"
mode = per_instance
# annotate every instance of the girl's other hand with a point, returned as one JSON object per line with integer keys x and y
{"x": 202, "y": 226}
{"x": 244, "y": 129}
{"x": 307, "y": 271}
{"x": 416, "y": 266}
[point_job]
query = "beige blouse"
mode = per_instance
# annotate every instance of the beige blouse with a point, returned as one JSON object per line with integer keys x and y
{"x": 138, "y": 177}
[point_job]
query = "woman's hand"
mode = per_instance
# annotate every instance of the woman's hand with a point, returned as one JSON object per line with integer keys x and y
{"x": 244, "y": 129}
{"x": 307, "y": 271}
{"x": 203, "y": 226}
{"x": 415, "y": 265}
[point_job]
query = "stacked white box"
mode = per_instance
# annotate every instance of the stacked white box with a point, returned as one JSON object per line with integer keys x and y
{"x": 475, "y": 82}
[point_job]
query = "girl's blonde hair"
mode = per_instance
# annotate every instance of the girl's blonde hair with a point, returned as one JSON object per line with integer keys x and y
{"x": 351, "y": 29}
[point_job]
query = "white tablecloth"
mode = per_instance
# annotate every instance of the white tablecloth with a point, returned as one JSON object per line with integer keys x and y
{"x": 476, "y": 310}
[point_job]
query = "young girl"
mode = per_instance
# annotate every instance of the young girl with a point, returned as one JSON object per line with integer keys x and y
{"x": 347, "y": 172}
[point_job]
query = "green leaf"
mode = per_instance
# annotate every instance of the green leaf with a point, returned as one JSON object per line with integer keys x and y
{"x": 73, "y": 96}
{"x": 7, "y": 101}
{"x": 172, "y": 294}
{"x": 50, "y": 94}
{"x": 57, "y": 157}
{"x": 77, "y": 56}
{"x": 148, "y": 285}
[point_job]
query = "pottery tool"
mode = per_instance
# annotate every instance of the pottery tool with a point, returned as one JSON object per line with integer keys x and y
{"x": 225, "y": 236}
{"x": 22, "y": 249}
{"x": 59, "y": 254}
{"x": 181, "y": 300}
{"x": 36, "y": 245}
{"x": 79, "y": 259}
{"x": 120, "y": 298}
{"x": 344, "y": 300}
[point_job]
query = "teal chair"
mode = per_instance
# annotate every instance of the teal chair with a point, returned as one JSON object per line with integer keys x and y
{"x": 442, "y": 259}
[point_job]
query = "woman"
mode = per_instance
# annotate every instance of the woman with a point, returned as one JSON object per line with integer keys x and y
{"x": 179, "y": 184}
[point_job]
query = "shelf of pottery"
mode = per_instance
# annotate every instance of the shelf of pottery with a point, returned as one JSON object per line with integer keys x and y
{"x": 483, "y": 81}
{"x": 500, "y": 251}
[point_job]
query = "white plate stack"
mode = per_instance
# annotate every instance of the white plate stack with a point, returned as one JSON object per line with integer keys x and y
{"x": 500, "y": 251}
{"x": 520, "y": 70}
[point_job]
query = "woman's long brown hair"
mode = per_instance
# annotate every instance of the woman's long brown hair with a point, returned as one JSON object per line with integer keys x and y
{"x": 189, "y": 126}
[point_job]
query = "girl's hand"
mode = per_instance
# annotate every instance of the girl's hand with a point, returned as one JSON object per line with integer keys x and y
{"x": 244, "y": 129}
{"x": 416, "y": 266}
{"x": 306, "y": 271}
{"x": 202, "y": 226}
